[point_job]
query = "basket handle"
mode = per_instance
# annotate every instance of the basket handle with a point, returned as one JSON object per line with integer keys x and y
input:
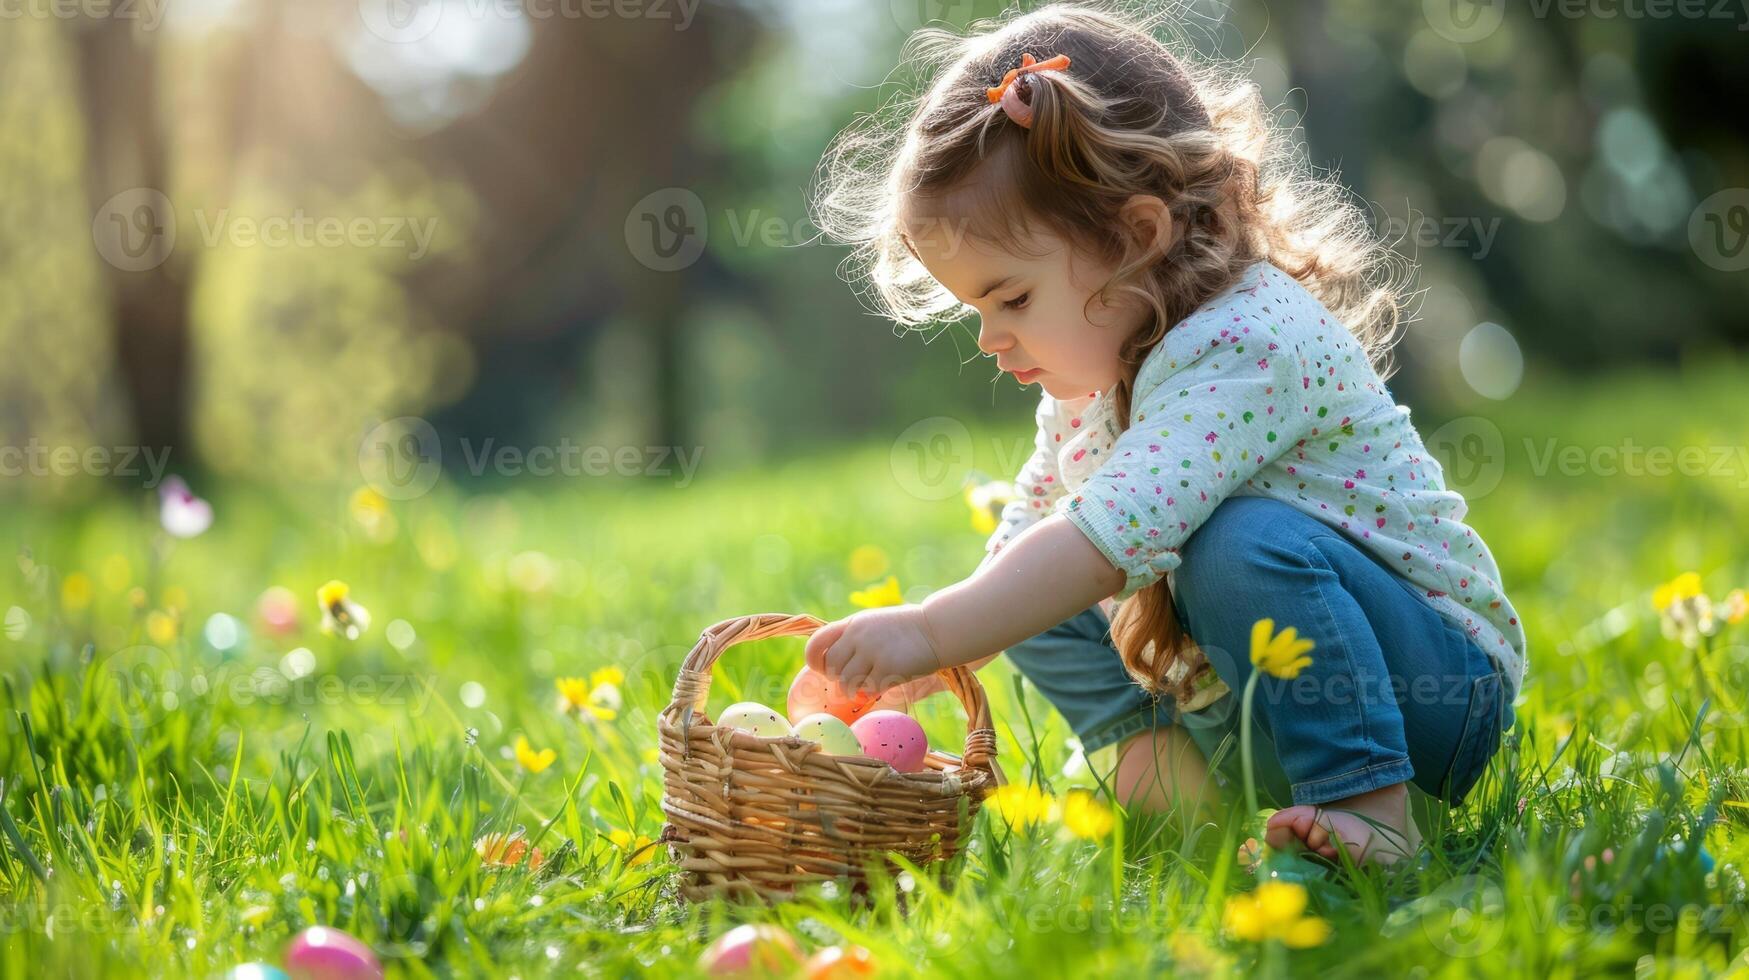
{"x": 693, "y": 685}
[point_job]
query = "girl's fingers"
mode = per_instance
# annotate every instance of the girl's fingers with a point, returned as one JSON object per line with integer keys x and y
{"x": 814, "y": 654}
{"x": 853, "y": 674}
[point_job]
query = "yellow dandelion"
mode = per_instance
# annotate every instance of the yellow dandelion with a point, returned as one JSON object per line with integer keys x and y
{"x": 1684, "y": 586}
{"x": 987, "y": 500}
{"x": 867, "y": 561}
{"x": 597, "y": 698}
{"x": 1020, "y": 805}
{"x": 76, "y": 591}
{"x": 528, "y": 758}
{"x": 573, "y": 693}
{"x": 1274, "y": 910}
{"x": 884, "y": 594}
{"x": 1279, "y": 654}
{"x": 638, "y": 849}
{"x": 176, "y": 597}
{"x": 370, "y": 511}
{"x": 1086, "y": 816}
{"x": 162, "y": 627}
{"x": 340, "y": 615}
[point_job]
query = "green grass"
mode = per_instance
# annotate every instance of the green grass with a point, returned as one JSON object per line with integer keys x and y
{"x": 139, "y": 834}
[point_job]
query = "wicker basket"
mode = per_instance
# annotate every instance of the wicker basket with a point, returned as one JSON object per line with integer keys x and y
{"x": 756, "y": 817}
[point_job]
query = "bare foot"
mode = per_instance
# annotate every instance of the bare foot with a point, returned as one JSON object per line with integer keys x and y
{"x": 1323, "y": 826}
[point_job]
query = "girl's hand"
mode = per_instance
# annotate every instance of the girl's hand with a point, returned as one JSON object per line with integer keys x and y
{"x": 875, "y": 649}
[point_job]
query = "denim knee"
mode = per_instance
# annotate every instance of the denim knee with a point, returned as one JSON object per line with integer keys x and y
{"x": 1240, "y": 535}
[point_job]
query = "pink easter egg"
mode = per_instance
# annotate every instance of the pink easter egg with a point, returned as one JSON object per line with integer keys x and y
{"x": 812, "y": 692}
{"x": 321, "y": 953}
{"x": 892, "y": 737}
{"x": 760, "y": 948}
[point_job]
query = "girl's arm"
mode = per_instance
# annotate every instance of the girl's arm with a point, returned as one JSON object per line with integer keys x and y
{"x": 1044, "y": 576}
{"x": 1048, "y": 573}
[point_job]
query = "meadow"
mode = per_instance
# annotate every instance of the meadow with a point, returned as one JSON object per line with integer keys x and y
{"x": 193, "y": 770}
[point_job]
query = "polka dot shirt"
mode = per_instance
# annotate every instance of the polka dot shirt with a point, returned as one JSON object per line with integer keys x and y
{"x": 1262, "y": 391}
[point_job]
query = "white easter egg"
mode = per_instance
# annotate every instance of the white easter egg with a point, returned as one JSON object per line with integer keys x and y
{"x": 751, "y": 716}
{"x": 831, "y": 732}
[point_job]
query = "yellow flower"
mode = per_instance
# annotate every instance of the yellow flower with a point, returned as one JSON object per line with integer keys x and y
{"x": 598, "y": 697}
{"x": 370, "y": 511}
{"x": 534, "y": 762}
{"x": 1278, "y": 654}
{"x": 340, "y": 614}
{"x": 638, "y": 848}
{"x": 573, "y": 693}
{"x": 1274, "y": 910}
{"x": 986, "y": 500}
{"x": 162, "y": 627}
{"x": 884, "y": 594}
{"x": 867, "y": 561}
{"x": 76, "y": 591}
{"x": 1020, "y": 805}
{"x": 1684, "y": 586}
{"x": 1085, "y": 816}
{"x": 176, "y": 597}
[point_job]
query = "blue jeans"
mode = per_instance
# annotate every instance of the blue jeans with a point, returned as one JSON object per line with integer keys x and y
{"x": 1395, "y": 692}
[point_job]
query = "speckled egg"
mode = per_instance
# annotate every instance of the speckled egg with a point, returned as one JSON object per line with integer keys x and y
{"x": 751, "y": 716}
{"x": 811, "y": 693}
{"x": 321, "y": 953}
{"x": 831, "y": 732}
{"x": 892, "y": 737}
{"x": 762, "y": 949}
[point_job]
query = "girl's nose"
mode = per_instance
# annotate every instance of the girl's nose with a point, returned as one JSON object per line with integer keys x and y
{"x": 993, "y": 342}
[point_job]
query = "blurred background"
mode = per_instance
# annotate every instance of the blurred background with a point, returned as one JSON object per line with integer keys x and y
{"x": 282, "y": 240}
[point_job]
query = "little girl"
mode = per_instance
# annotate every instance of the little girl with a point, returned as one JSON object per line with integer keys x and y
{"x": 1217, "y": 459}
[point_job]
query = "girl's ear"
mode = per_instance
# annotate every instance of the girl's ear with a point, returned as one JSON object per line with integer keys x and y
{"x": 1149, "y": 222}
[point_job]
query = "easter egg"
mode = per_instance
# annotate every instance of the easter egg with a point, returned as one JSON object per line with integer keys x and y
{"x": 321, "y": 953}
{"x": 751, "y": 948}
{"x": 892, "y": 737}
{"x": 831, "y": 732}
{"x": 812, "y": 692}
{"x": 751, "y": 716}
{"x": 255, "y": 971}
{"x": 840, "y": 963}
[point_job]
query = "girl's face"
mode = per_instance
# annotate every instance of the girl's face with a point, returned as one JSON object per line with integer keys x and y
{"x": 1036, "y": 312}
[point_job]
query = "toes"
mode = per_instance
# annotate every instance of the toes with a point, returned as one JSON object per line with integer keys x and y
{"x": 1290, "y": 826}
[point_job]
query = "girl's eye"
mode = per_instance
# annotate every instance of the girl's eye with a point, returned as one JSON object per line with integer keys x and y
{"x": 1018, "y": 302}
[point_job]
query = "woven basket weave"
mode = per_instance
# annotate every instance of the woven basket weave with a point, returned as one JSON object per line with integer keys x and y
{"x": 756, "y": 817}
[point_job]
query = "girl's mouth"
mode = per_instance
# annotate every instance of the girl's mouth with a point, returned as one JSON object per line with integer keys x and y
{"x": 1027, "y": 377}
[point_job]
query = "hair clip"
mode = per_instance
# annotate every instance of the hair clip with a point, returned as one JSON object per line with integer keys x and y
{"x": 1008, "y": 93}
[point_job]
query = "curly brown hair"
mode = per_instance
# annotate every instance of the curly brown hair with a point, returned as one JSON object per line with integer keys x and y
{"x": 1129, "y": 117}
